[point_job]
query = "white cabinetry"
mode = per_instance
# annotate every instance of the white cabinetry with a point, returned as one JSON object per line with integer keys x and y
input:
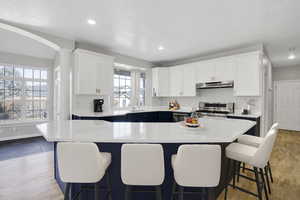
{"x": 160, "y": 82}
{"x": 248, "y": 75}
{"x": 189, "y": 80}
{"x": 224, "y": 69}
{"x": 93, "y": 73}
{"x": 176, "y": 81}
{"x": 205, "y": 71}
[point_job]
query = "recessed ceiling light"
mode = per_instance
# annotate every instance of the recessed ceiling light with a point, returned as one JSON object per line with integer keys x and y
{"x": 91, "y": 21}
{"x": 161, "y": 48}
{"x": 292, "y": 55}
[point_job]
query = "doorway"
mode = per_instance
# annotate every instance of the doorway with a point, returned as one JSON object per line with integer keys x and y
{"x": 287, "y": 104}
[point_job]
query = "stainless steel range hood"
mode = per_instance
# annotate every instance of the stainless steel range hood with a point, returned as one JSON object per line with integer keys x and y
{"x": 215, "y": 84}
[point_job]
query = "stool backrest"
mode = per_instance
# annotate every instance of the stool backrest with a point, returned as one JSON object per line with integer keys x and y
{"x": 142, "y": 164}
{"x": 79, "y": 162}
{"x": 273, "y": 127}
{"x": 264, "y": 150}
{"x": 198, "y": 165}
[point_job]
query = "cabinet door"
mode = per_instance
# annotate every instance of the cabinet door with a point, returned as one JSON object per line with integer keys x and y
{"x": 155, "y": 82}
{"x": 104, "y": 76}
{"x": 248, "y": 76}
{"x": 160, "y": 81}
{"x": 225, "y": 70}
{"x": 189, "y": 80}
{"x": 93, "y": 73}
{"x": 85, "y": 76}
{"x": 176, "y": 81}
{"x": 163, "y": 82}
{"x": 205, "y": 71}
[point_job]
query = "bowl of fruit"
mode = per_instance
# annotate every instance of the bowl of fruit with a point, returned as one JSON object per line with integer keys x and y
{"x": 191, "y": 122}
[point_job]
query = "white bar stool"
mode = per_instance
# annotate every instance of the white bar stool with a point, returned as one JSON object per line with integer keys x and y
{"x": 256, "y": 157}
{"x": 82, "y": 163}
{"x": 142, "y": 165}
{"x": 196, "y": 166}
{"x": 255, "y": 142}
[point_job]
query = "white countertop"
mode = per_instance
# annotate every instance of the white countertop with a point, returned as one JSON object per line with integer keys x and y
{"x": 118, "y": 112}
{"x": 215, "y": 130}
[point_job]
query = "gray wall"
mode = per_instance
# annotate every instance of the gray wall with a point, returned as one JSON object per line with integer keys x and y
{"x": 16, "y": 59}
{"x": 286, "y": 73}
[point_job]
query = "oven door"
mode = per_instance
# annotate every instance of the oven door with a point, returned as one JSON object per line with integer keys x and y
{"x": 178, "y": 117}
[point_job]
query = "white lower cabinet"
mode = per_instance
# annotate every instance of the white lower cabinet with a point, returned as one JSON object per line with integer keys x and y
{"x": 93, "y": 73}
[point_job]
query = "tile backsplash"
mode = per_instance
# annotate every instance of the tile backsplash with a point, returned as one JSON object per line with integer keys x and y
{"x": 222, "y": 95}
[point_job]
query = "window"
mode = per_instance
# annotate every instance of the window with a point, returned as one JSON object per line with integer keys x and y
{"x": 129, "y": 88}
{"x": 122, "y": 88}
{"x": 23, "y": 92}
{"x": 142, "y": 89}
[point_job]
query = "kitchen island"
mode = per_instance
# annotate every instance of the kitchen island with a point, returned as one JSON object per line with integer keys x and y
{"x": 110, "y": 136}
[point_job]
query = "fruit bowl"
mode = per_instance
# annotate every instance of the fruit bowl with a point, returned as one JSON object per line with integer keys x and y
{"x": 191, "y": 122}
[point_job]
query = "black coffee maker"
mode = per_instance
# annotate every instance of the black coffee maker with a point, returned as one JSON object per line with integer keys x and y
{"x": 98, "y": 103}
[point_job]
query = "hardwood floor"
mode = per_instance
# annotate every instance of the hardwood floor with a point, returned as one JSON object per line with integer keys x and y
{"x": 31, "y": 177}
{"x": 285, "y": 163}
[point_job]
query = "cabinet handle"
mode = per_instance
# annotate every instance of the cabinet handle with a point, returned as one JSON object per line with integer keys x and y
{"x": 154, "y": 93}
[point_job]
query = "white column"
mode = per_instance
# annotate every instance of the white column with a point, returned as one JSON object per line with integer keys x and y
{"x": 65, "y": 64}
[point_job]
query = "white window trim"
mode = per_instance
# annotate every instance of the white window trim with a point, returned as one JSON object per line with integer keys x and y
{"x": 49, "y": 97}
{"x": 135, "y": 83}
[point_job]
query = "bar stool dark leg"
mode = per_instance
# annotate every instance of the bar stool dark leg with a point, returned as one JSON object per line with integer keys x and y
{"x": 270, "y": 171}
{"x": 227, "y": 178}
{"x": 267, "y": 179}
{"x": 108, "y": 182}
{"x": 158, "y": 193}
{"x": 97, "y": 191}
{"x": 264, "y": 183}
{"x": 239, "y": 171}
{"x": 173, "y": 190}
{"x": 181, "y": 190}
{"x": 127, "y": 192}
{"x": 234, "y": 173}
{"x": 67, "y": 191}
{"x": 258, "y": 183}
{"x": 244, "y": 167}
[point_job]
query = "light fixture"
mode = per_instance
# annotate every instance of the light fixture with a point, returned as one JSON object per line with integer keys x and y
{"x": 161, "y": 48}
{"x": 292, "y": 55}
{"x": 91, "y": 21}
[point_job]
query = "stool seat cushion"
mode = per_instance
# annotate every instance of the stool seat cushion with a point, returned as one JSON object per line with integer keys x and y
{"x": 250, "y": 140}
{"x": 105, "y": 159}
{"x": 241, "y": 152}
{"x": 173, "y": 158}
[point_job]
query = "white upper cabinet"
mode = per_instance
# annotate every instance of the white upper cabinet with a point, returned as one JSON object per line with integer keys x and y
{"x": 248, "y": 75}
{"x": 160, "y": 82}
{"x": 189, "y": 80}
{"x": 176, "y": 81}
{"x": 93, "y": 73}
{"x": 225, "y": 69}
{"x": 205, "y": 71}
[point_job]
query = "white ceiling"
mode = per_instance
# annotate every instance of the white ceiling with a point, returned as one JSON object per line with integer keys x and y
{"x": 14, "y": 43}
{"x": 185, "y": 28}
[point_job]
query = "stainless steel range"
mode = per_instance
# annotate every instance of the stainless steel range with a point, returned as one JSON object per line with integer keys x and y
{"x": 215, "y": 109}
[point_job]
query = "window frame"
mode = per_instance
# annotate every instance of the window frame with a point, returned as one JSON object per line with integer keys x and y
{"x": 135, "y": 97}
{"x": 23, "y": 79}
